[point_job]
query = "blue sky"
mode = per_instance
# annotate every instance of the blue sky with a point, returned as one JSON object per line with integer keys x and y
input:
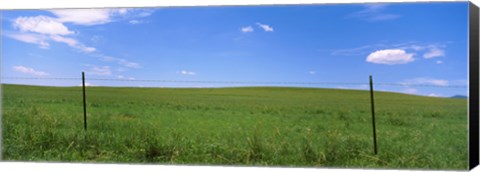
{"x": 406, "y": 43}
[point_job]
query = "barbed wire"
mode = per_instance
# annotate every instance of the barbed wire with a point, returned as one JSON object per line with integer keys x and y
{"x": 420, "y": 85}
{"x": 39, "y": 78}
{"x": 238, "y": 82}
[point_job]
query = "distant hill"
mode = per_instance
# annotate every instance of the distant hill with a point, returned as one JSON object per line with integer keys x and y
{"x": 459, "y": 97}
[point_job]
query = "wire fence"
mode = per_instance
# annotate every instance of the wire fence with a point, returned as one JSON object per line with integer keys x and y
{"x": 240, "y": 82}
{"x": 370, "y": 83}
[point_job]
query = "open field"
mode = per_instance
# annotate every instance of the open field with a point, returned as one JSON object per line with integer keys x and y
{"x": 260, "y": 126}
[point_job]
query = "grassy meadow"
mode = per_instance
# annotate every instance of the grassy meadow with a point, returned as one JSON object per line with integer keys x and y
{"x": 245, "y": 126}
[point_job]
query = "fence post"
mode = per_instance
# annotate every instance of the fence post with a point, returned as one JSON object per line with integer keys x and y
{"x": 84, "y": 103}
{"x": 373, "y": 116}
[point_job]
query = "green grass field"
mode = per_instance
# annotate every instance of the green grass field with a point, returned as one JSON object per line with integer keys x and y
{"x": 249, "y": 126}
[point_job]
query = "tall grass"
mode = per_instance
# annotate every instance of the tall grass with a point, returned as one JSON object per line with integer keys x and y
{"x": 262, "y": 126}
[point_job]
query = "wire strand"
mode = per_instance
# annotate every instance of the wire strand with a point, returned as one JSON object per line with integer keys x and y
{"x": 239, "y": 82}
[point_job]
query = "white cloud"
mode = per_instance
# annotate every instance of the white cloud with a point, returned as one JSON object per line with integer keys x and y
{"x": 372, "y": 8}
{"x": 374, "y": 12}
{"x": 427, "y": 81}
{"x": 458, "y": 82}
{"x": 123, "y": 11}
{"x": 134, "y": 21}
{"x": 87, "y": 84}
{"x": 28, "y": 70}
{"x": 434, "y": 95}
{"x": 72, "y": 43}
{"x": 48, "y": 29}
{"x": 439, "y": 62}
{"x": 41, "y": 24}
{"x": 85, "y": 16}
{"x": 247, "y": 29}
{"x": 98, "y": 16}
{"x": 390, "y": 57}
{"x": 98, "y": 70}
{"x": 69, "y": 41}
{"x": 265, "y": 27}
{"x": 97, "y": 39}
{"x": 145, "y": 13}
{"x": 380, "y": 17}
{"x": 53, "y": 29}
{"x": 436, "y": 49}
{"x": 410, "y": 91}
{"x": 417, "y": 47}
{"x": 354, "y": 51}
{"x": 185, "y": 72}
{"x": 416, "y": 92}
{"x": 42, "y": 41}
{"x": 359, "y": 87}
{"x": 123, "y": 77}
{"x": 123, "y": 62}
{"x": 45, "y": 30}
{"x": 31, "y": 38}
{"x": 127, "y": 63}
{"x": 105, "y": 57}
{"x": 312, "y": 72}
{"x": 434, "y": 52}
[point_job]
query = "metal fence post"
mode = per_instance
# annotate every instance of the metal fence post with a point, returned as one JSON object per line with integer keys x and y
{"x": 373, "y": 116}
{"x": 84, "y": 103}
